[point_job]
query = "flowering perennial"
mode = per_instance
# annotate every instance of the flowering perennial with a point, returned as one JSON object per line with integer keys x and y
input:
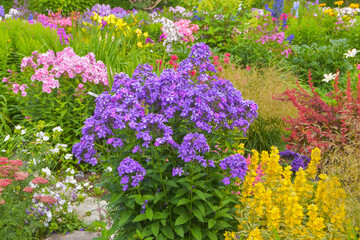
{"x": 50, "y": 67}
{"x": 147, "y": 103}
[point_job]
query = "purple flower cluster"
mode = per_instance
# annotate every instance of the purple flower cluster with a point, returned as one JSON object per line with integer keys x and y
{"x": 193, "y": 143}
{"x": 2, "y": 11}
{"x": 105, "y": 10}
{"x": 130, "y": 168}
{"x": 236, "y": 164}
{"x": 148, "y": 106}
{"x": 297, "y": 161}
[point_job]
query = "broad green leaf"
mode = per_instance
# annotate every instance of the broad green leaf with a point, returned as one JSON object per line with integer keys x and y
{"x": 182, "y": 219}
{"x": 140, "y": 217}
{"x": 167, "y": 232}
{"x": 211, "y": 223}
{"x": 196, "y": 232}
{"x": 183, "y": 201}
{"x": 149, "y": 213}
{"x": 155, "y": 227}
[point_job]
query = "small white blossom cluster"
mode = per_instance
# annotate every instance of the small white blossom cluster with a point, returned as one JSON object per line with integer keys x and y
{"x": 57, "y": 129}
{"x": 170, "y": 30}
{"x": 13, "y": 13}
{"x": 59, "y": 147}
{"x": 41, "y": 137}
{"x": 181, "y": 10}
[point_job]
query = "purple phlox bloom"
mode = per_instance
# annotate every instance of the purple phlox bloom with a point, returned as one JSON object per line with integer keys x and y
{"x": 177, "y": 171}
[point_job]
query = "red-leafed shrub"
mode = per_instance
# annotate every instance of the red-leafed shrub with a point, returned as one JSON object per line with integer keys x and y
{"x": 322, "y": 123}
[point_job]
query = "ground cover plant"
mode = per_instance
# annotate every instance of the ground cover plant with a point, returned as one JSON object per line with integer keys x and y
{"x": 142, "y": 104}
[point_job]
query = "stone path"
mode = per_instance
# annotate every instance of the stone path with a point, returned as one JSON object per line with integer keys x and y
{"x": 89, "y": 211}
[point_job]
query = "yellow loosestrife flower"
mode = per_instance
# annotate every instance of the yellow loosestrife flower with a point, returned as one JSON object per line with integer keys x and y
{"x": 255, "y": 235}
{"x": 140, "y": 44}
{"x": 322, "y": 4}
{"x": 353, "y": 5}
{"x": 314, "y": 162}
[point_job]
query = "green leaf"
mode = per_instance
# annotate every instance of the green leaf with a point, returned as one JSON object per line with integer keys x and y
{"x": 155, "y": 227}
{"x": 183, "y": 201}
{"x": 167, "y": 232}
{"x": 158, "y": 215}
{"x": 158, "y": 196}
{"x": 212, "y": 235}
{"x": 198, "y": 214}
{"x": 140, "y": 217}
{"x": 149, "y": 213}
{"x": 200, "y": 205}
{"x": 196, "y": 232}
{"x": 179, "y": 231}
{"x": 182, "y": 219}
{"x": 199, "y": 194}
{"x": 211, "y": 223}
{"x": 180, "y": 192}
{"x": 171, "y": 183}
{"x": 123, "y": 219}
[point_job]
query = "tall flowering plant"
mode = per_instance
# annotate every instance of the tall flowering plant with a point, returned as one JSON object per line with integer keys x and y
{"x": 165, "y": 137}
{"x": 55, "y": 86}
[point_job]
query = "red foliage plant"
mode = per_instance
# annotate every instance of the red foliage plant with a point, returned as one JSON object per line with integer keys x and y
{"x": 319, "y": 123}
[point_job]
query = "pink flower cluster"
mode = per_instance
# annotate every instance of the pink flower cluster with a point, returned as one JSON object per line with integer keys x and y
{"x": 187, "y": 29}
{"x": 49, "y": 68}
{"x": 15, "y": 86}
{"x": 55, "y": 18}
{"x": 46, "y": 199}
{"x": 39, "y": 180}
{"x": 279, "y": 37}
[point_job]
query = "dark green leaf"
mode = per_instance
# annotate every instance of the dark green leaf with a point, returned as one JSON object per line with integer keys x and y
{"x": 181, "y": 219}
{"x": 149, "y": 213}
{"x": 196, "y": 232}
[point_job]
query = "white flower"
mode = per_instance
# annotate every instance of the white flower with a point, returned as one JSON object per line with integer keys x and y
{"x": 68, "y": 156}
{"x": 55, "y": 150}
{"x": 72, "y": 171}
{"x": 7, "y": 16}
{"x": 62, "y": 202}
{"x": 86, "y": 184}
{"x": 61, "y": 146}
{"x": 330, "y": 76}
{"x": 23, "y": 131}
{"x": 108, "y": 169}
{"x": 57, "y": 129}
{"x": 69, "y": 208}
{"x": 18, "y": 127}
{"x": 240, "y": 7}
{"x": 79, "y": 187}
{"x": 7, "y": 138}
{"x": 70, "y": 179}
{"x": 351, "y": 53}
{"x": 47, "y": 171}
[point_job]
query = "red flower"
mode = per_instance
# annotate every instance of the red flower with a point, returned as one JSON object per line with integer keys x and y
{"x": 5, "y": 182}
{"x": 39, "y": 180}
{"x": 28, "y": 189}
{"x": 226, "y": 60}
{"x": 174, "y": 57}
{"x": 159, "y": 62}
{"x": 216, "y": 63}
{"x": 192, "y": 72}
{"x": 20, "y": 176}
{"x": 227, "y": 54}
{"x": 216, "y": 58}
{"x": 48, "y": 199}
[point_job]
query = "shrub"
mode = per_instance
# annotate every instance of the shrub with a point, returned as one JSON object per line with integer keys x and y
{"x": 166, "y": 136}
{"x": 301, "y": 207}
{"x": 320, "y": 120}
{"x": 66, "y": 6}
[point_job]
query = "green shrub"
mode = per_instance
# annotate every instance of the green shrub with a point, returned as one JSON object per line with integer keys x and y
{"x": 66, "y": 6}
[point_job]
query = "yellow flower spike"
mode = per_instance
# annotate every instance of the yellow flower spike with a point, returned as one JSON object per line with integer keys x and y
{"x": 140, "y": 44}
{"x": 322, "y": 4}
{"x": 273, "y": 218}
{"x": 146, "y": 34}
{"x": 353, "y": 5}
{"x": 255, "y": 235}
{"x": 314, "y": 162}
